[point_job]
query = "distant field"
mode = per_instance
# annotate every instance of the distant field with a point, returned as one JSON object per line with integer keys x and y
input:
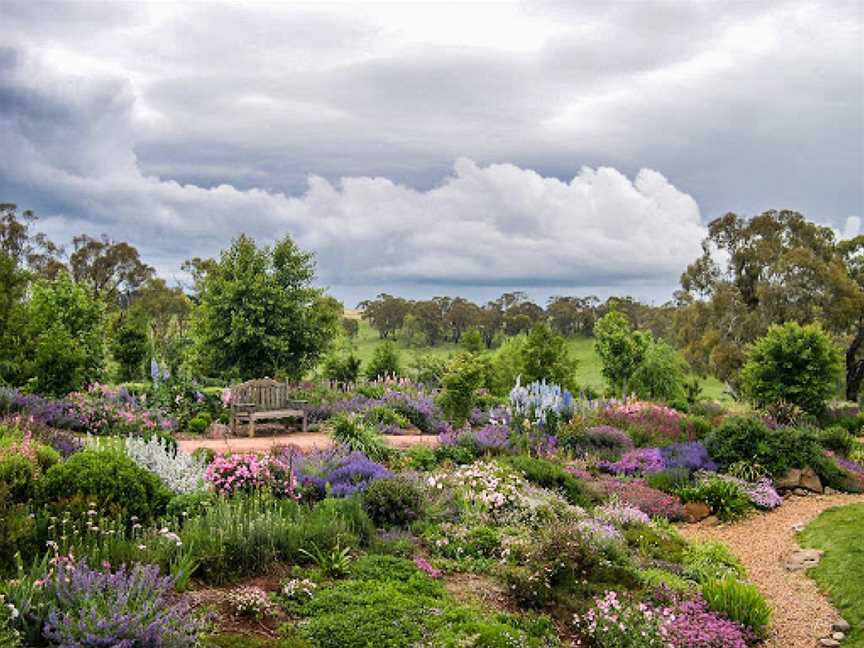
{"x": 587, "y": 373}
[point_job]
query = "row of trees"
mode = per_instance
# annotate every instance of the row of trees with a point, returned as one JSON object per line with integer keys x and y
{"x": 447, "y": 319}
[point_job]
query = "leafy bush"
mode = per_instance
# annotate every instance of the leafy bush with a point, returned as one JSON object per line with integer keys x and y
{"x": 16, "y": 531}
{"x": 639, "y": 494}
{"x": 837, "y": 439}
{"x": 384, "y": 362}
{"x": 343, "y": 369}
{"x": 464, "y": 376}
{"x": 725, "y": 498}
{"x": 545, "y": 357}
{"x": 709, "y": 560}
{"x": 189, "y": 504}
{"x": 131, "y": 607}
{"x": 739, "y": 601}
{"x": 660, "y": 374}
{"x": 18, "y": 474}
{"x": 670, "y": 480}
{"x": 9, "y": 636}
{"x": 178, "y": 471}
{"x": 547, "y": 474}
{"x": 394, "y": 501}
{"x": 110, "y": 479}
{"x": 604, "y": 440}
{"x": 353, "y": 432}
{"x": 795, "y": 364}
{"x": 199, "y": 423}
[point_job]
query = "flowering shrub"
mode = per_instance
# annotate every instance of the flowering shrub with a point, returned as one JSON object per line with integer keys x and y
{"x": 761, "y": 493}
{"x": 620, "y": 514}
{"x": 490, "y": 439}
{"x": 608, "y": 438}
{"x": 693, "y": 456}
{"x": 640, "y": 495}
{"x": 230, "y": 474}
{"x": 638, "y": 461}
{"x": 9, "y": 636}
{"x": 337, "y": 472}
{"x": 249, "y": 601}
{"x": 599, "y": 530}
{"x": 179, "y": 471}
{"x": 491, "y": 492}
{"x": 644, "y": 420}
{"x": 125, "y": 608}
{"x": 296, "y": 589}
{"x": 63, "y": 442}
{"x": 424, "y": 566}
{"x": 541, "y": 401}
{"x": 667, "y": 621}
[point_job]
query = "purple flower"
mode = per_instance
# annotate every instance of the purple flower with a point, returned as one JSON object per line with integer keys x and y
{"x": 641, "y": 460}
{"x": 692, "y": 456}
{"x": 337, "y": 472}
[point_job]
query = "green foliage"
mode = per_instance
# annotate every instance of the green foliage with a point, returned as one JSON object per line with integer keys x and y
{"x": 352, "y": 431}
{"x": 462, "y": 379}
{"x": 392, "y": 502}
{"x": 65, "y": 337}
{"x": 653, "y": 543}
{"x": 334, "y": 563}
{"x": 130, "y": 346}
{"x": 837, "y": 439}
{"x": 384, "y": 568}
{"x": 472, "y": 341}
{"x": 344, "y": 369}
{"x": 18, "y": 475}
{"x": 794, "y": 364}
{"x": 230, "y": 640}
{"x": 258, "y": 313}
{"x": 708, "y": 560}
{"x": 544, "y": 356}
{"x": 550, "y": 475}
{"x": 723, "y": 497}
{"x": 199, "y": 423}
{"x": 739, "y": 601}
{"x": 621, "y": 350}
{"x": 421, "y": 457}
{"x": 108, "y": 478}
{"x": 384, "y": 362}
{"x": 17, "y": 531}
{"x": 670, "y": 480}
{"x": 189, "y": 504}
{"x": 660, "y": 375}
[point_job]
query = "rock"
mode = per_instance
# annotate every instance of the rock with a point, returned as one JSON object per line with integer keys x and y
{"x": 802, "y": 559}
{"x": 696, "y": 511}
{"x": 801, "y": 492}
{"x": 217, "y": 431}
{"x": 810, "y": 480}
{"x": 711, "y": 520}
{"x": 830, "y": 491}
{"x": 838, "y": 636}
{"x": 790, "y": 480}
{"x": 829, "y": 643}
{"x": 841, "y": 626}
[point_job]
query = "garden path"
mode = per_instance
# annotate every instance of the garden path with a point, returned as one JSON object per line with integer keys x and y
{"x": 304, "y": 441}
{"x": 802, "y": 615}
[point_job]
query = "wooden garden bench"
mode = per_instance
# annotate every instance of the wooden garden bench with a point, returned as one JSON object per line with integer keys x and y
{"x": 263, "y": 400}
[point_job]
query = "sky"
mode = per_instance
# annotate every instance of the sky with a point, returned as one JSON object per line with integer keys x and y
{"x": 434, "y": 148}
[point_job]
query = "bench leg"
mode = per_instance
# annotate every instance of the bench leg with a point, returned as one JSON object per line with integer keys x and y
{"x": 304, "y": 423}
{"x": 251, "y": 427}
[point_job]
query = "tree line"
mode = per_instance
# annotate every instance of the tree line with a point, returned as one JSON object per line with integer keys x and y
{"x": 97, "y": 311}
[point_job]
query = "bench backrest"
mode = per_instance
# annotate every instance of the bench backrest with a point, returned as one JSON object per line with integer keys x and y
{"x": 265, "y": 393}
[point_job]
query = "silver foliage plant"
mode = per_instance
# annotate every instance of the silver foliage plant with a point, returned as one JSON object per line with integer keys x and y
{"x": 179, "y": 471}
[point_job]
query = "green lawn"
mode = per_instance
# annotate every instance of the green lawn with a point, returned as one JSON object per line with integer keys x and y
{"x": 839, "y": 532}
{"x": 587, "y": 373}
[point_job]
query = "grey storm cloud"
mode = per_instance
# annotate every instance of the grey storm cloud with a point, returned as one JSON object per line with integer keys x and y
{"x": 530, "y": 144}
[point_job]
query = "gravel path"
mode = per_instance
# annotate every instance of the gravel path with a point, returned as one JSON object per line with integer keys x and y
{"x": 304, "y": 441}
{"x": 762, "y": 542}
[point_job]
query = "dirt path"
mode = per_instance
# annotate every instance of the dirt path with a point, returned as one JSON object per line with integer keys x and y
{"x": 304, "y": 441}
{"x": 762, "y": 542}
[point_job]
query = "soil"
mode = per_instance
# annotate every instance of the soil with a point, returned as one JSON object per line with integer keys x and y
{"x": 303, "y": 441}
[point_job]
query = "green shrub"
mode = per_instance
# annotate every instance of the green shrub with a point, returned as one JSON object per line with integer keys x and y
{"x": 392, "y": 502}
{"x": 110, "y": 479}
{"x": 46, "y": 456}
{"x": 460, "y": 383}
{"x": 660, "y": 375}
{"x": 457, "y": 454}
{"x": 352, "y": 431}
{"x": 708, "y": 560}
{"x": 651, "y": 543}
{"x": 384, "y": 568}
{"x": 550, "y": 475}
{"x": 384, "y": 362}
{"x": 421, "y": 457}
{"x": 837, "y": 439}
{"x": 653, "y": 577}
{"x": 739, "y": 601}
{"x": 528, "y": 587}
{"x": 199, "y": 423}
{"x": 794, "y": 364}
{"x": 189, "y": 504}
{"x": 670, "y": 480}
{"x": 342, "y": 369}
{"x": 17, "y": 531}
{"x": 723, "y": 497}
{"x": 482, "y": 542}
{"x": 207, "y": 454}
{"x": 18, "y": 474}
{"x": 9, "y": 636}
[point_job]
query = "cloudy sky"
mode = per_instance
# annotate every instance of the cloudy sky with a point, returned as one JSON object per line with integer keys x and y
{"x": 435, "y": 148}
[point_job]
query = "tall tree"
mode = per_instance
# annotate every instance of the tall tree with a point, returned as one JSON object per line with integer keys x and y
{"x": 385, "y": 313}
{"x": 259, "y": 313}
{"x": 773, "y": 268}
{"x": 111, "y": 270}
